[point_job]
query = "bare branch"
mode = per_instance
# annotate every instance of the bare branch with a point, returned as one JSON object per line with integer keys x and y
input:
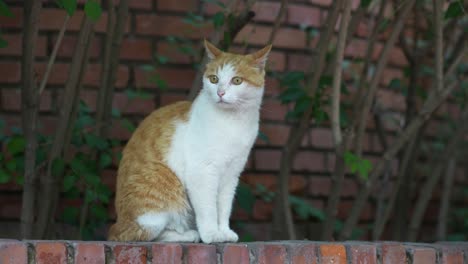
{"x": 50, "y": 64}
{"x": 277, "y": 23}
{"x": 428, "y": 108}
{"x": 72, "y": 87}
{"x": 29, "y": 116}
{"x": 425, "y": 193}
{"x": 445, "y": 199}
{"x": 439, "y": 38}
{"x": 381, "y": 64}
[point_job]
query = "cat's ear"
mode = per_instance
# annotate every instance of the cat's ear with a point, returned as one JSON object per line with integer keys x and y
{"x": 260, "y": 57}
{"x": 211, "y": 50}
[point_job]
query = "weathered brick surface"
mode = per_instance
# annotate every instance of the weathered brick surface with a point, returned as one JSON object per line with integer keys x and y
{"x": 167, "y": 253}
{"x": 51, "y": 253}
{"x": 295, "y": 252}
{"x": 333, "y": 253}
{"x": 13, "y": 252}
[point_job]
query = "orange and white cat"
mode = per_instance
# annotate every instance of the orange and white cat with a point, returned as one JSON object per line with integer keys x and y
{"x": 179, "y": 171}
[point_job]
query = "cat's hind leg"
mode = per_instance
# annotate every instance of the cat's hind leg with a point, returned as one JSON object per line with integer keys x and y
{"x": 153, "y": 223}
{"x": 190, "y": 236}
{"x": 127, "y": 230}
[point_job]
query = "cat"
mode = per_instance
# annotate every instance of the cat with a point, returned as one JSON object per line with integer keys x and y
{"x": 179, "y": 171}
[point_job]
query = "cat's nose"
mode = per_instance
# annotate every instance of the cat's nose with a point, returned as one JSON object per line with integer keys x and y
{"x": 221, "y": 93}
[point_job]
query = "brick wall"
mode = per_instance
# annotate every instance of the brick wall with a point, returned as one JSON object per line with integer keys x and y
{"x": 47, "y": 252}
{"x": 150, "y": 22}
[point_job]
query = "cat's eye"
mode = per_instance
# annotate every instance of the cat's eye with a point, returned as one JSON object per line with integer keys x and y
{"x": 236, "y": 80}
{"x": 213, "y": 78}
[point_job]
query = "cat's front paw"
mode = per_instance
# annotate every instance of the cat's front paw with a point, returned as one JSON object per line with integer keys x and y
{"x": 229, "y": 235}
{"x": 211, "y": 236}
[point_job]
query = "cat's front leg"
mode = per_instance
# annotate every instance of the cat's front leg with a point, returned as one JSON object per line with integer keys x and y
{"x": 202, "y": 189}
{"x": 227, "y": 190}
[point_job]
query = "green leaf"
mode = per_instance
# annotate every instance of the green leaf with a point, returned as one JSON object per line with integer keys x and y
{"x": 218, "y": 20}
{"x": 98, "y": 211}
{"x": 455, "y": 9}
{"x": 96, "y": 142}
{"x": 128, "y": 125}
{"x": 162, "y": 59}
{"x": 4, "y": 176}
{"x": 133, "y": 94}
{"x": 70, "y": 215}
{"x": 395, "y": 84}
{"x": 105, "y": 160}
{"x": 158, "y": 81}
{"x": 3, "y": 43}
{"x": 92, "y": 179}
{"x": 263, "y": 137}
{"x": 68, "y": 5}
{"x": 365, "y": 3}
{"x": 90, "y": 196}
{"x": 103, "y": 193}
{"x": 11, "y": 165}
{"x": 147, "y": 67}
{"x": 116, "y": 113}
{"x": 93, "y": 10}
{"x": 219, "y": 3}
{"x": 16, "y": 145}
{"x": 68, "y": 182}
{"x": 4, "y": 10}
{"x": 358, "y": 165}
{"x": 245, "y": 198}
{"x": 58, "y": 167}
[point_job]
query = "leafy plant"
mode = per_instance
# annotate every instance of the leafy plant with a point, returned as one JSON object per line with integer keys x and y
{"x": 358, "y": 165}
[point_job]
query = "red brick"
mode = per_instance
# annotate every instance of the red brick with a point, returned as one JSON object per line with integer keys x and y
{"x": 262, "y": 210}
{"x": 68, "y": 47}
{"x": 167, "y": 99}
{"x": 14, "y": 47}
{"x": 11, "y": 100}
{"x": 320, "y": 186}
{"x": 272, "y": 87}
{"x": 266, "y": 11}
{"x": 290, "y": 38}
{"x": 172, "y": 52}
{"x": 13, "y": 252}
{"x": 137, "y": 105}
{"x": 89, "y": 253}
{"x": 157, "y": 25}
{"x": 304, "y": 15}
{"x": 167, "y": 254}
{"x": 267, "y": 159}
{"x": 11, "y": 72}
{"x": 393, "y": 253}
{"x": 52, "y": 19}
{"x": 13, "y": 22}
{"x": 322, "y": 138}
{"x": 324, "y": 3}
{"x": 254, "y": 34}
{"x": 273, "y": 110}
{"x": 303, "y": 253}
{"x": 141, "y": 4}
{"x": 309, "y": 161}
{"x": 92, "y": 77}
{"x": 345, "y": 207}
{"x": 10, "y": 207}
{"x": 177, "y": 5}
{"x": 277, "y": 135}
{"x": 175, "y": 78}
{"x": 451, "y": 255}
{"x": 235, "y": 254}
{"x": 136, "y": 49}
{"x": 130, "y": 254}
{"x": 423, "y": 255}
{"x": 51, "y": 253}
{"x": 276, "y": 61}
{"x": 199, "y": 253}
{"x": 271, "y": 254}
{"x": 299, "y": 62}
{"x": 365, "y": 253}
{"x": 118, "y": 131}
{"x": 333, "y": 253}
{"x": 297, "y": 183}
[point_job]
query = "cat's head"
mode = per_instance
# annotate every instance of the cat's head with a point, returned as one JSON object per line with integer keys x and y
{"x": 235, "y": 81}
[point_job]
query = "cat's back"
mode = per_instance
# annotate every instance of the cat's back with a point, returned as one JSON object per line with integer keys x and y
{"x": 156, "y": 131}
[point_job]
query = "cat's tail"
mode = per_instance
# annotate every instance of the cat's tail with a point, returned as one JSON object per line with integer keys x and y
{"x": 128, "y": 231}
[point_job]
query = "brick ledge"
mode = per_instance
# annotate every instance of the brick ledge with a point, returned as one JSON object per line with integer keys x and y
{"x": 61, "y": 251}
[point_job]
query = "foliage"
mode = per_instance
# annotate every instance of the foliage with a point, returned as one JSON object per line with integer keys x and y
{"x": 358, "y": 165}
